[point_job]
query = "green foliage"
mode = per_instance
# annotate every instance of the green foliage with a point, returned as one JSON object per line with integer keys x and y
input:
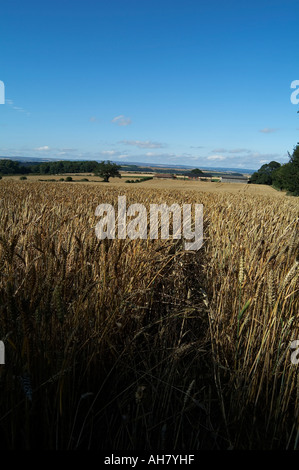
{"x": 64, "y": 166}
{"x": 196, "y": 172}
{"x": 146, "y": 178}
{"x": 51, "y": 179}
{"x": 265, "y": 174}
{"x": 68, "y": 178}
{"x": 288, "y": 176}
{"x": 23, "y": 178}
{"x": 140, "y": 180}
{"x": 10, "y": 167}
{"x": 283, "y": 177}
{"x": 108, "y": 170}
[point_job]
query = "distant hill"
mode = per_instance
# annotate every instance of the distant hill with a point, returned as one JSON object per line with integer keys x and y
{"x": 29, "y": 160}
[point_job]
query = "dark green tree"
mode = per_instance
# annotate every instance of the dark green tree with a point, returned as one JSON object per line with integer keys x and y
{"x": 265, "y": 174}
{"x": 107, "y": 170}
{"x": 196, "y": 172}
{"x": 287, "y": 177}
{"x": 10, "y": 167}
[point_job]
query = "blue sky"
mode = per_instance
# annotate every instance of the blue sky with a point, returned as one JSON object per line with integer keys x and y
{"x": 200, "y": 83}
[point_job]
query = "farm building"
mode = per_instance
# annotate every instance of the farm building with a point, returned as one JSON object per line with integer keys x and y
{"x": 234, "y": 179}
{"x": 164, "y": 176}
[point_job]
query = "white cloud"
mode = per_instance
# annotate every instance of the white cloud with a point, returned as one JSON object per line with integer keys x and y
{"x": 92, "y": 119}
{"x": 262, "y": 156}
{"x": 216, "y": 157}
{"x": 109, "y": 152}
{"x": 16, "y": 108}
{"x": 121, "y": 120}
{"x": 146, "y": 144}
{"x": 239, "y": 150}
{"x": 41, "y": 149}
{"x": 236, "y": 150}
{"x": 160, "y": 155}
{"x": 268, "y": 130}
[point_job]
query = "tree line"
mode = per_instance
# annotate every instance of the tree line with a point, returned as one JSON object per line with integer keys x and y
{"x": 103, "y": 169}
{"x": 283, "y": 177}
{"x": 11, "y": 167}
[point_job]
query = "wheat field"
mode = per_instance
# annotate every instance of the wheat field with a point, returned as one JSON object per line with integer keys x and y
{"x": 138, "y": 344}
{"x": 178, "y": 184}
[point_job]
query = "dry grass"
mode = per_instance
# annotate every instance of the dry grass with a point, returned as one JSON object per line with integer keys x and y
{"x": 138, "y": 344}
